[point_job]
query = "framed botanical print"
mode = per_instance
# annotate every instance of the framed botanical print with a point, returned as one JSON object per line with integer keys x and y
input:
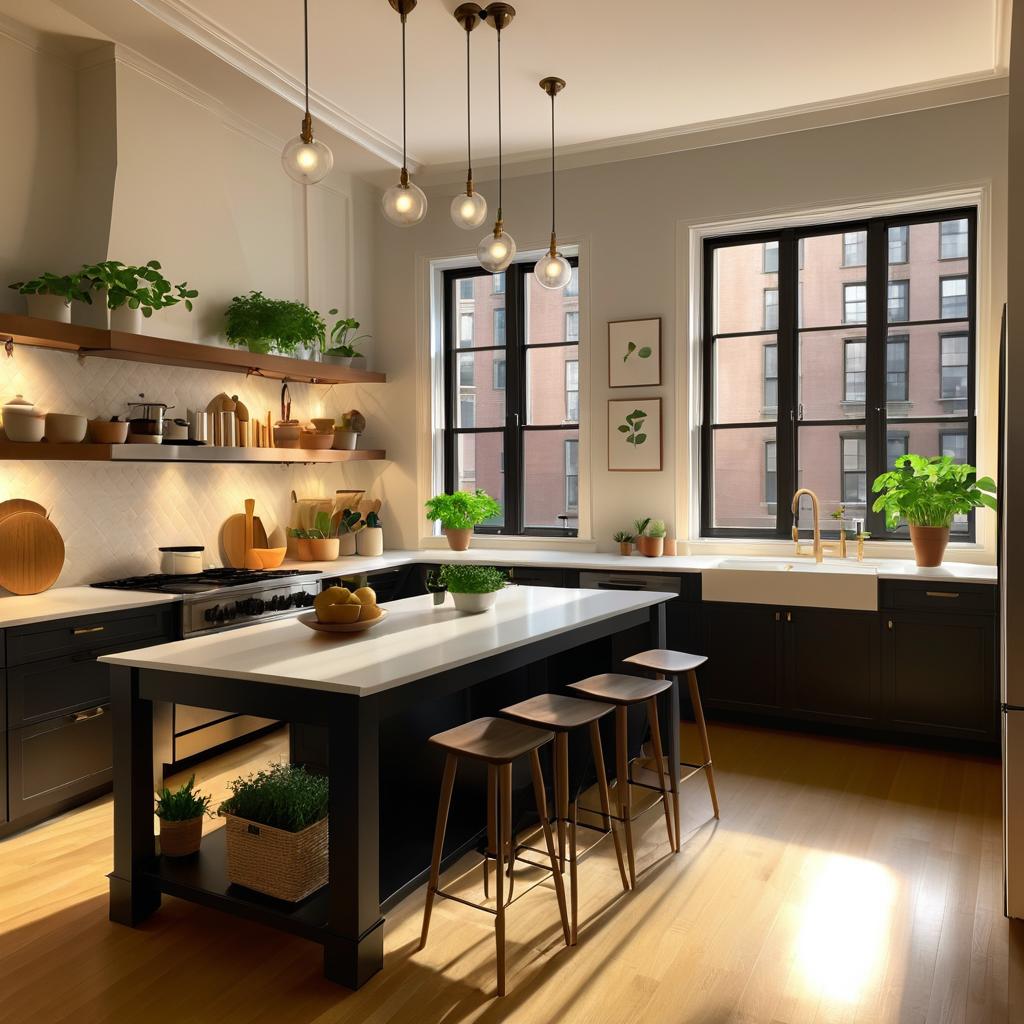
{"x": 634, "y": 434}
{"x": 634, "y": 353}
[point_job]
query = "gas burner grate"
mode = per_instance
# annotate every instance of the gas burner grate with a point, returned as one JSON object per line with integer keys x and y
{"x": 198, "y": 582}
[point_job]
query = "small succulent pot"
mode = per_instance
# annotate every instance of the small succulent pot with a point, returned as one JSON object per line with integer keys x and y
{"x": 324, "y": 549}
{"x": 670, "y": 545}
{"x": 49, "y": 307}
{"x": 126, "y": 320}
{"x": 651, "y": 547}
{"x": 458, "y": 540}
{"x": 346, "y": 544}
{"x": 625, "y": 547}
{"x": 303, "y": 550}
{"x": 181, "y": 838}
{"x": 338, "y": 360}
{"x": 345, "y": 440}
{"x": 370, "y": 542}
{"x": 474, "y": 603}
{"x": 929, "y": 544}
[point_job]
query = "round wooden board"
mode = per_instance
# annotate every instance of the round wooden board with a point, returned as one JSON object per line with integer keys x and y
{"x": 12, "y": 505}
{"x": 309, "y": 619}
{"x": 232, "y": 539}
{"x": 31, "y": 553}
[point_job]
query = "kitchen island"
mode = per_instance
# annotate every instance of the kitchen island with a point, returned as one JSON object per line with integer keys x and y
{"x": 368, "y": 701}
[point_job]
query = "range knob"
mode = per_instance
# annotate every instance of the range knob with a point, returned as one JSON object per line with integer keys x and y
{"x": 211, "y": 613}
{"x": 305, "y": 600}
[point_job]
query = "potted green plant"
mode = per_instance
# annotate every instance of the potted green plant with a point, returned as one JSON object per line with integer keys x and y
{"x": 303, "y": 546}
{"x": 135, "y": 293}
{"x": 347, "y": 430}
{"x": 181, "y": 812}
{"x": 324, "y": 544}
{"x": 458, "y": 513}
{"x": 276, "y": 832}
{"x": 625, "y": 541}
{"x": 349, "y": 524}
{"x": 927, "y": 492}
{"x": 370, "y": 537}
{"x": 271, "y": 325}
{"x": 339, "y": 346}
{"x": 49, "y": 296}
{"x": 474, "y": 588}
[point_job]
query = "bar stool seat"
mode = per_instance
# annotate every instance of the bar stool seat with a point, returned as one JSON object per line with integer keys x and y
{"x": 667, "y": 661}
{"x": 621, "y": 689}
{"x": 494, "y": 740}
{"x": 557, "y": 712}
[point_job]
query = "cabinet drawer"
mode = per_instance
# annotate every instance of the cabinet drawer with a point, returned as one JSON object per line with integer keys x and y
{"x": 941, "y": 596}
{"x": 91, "y": 633}
{"x": 57, "y": 686}
{"x": 55, "y": 760}
{"x": 538, "y": 576}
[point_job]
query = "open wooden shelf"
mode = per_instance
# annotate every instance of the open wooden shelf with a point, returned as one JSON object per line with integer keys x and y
{"x": 93, "y": 341}
{"x": 43, "y": 451}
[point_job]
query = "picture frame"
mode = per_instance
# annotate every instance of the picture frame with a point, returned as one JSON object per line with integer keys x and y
{"x": 634, "y": 353}
{"x": 634, "y": 435}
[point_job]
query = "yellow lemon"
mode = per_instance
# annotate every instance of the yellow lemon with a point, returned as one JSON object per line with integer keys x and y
{"x": 332, "y": 595}
{"x": 340, "y": 613}
{"x": 369, "y": 612}
{"x": 366, "y": 595}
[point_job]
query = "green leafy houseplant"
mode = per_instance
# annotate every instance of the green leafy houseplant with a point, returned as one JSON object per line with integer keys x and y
{"x": 143, "y": 288}
{"x": 181, "y": 813}
{"x": 625, "y": 541}
{"x": 69, "y": 287}
{"x": 471, "y": 579}
{"x": 272, "y": 325}
{"x": 284, "y": 796}
{"x": 657, "y": 529}
{"x": 640, "y": 526}
{"x": 339, "y": 344}
{"x": 459, "y": 512}
{"x": 650, "y": 536}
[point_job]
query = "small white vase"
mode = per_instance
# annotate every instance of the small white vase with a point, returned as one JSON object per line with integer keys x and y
{"x": 49, "y": 307}
{"x": 338, "y": 360}
{"x": 345, "y": 440}
{"x": 126, "y": 320}
{"x": 474, "y": 602}
{"x": 370, "y": 542}
{"x": 348, "y": 544}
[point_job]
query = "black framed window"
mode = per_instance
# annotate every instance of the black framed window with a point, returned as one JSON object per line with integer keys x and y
{"x": 845, "y": 389}
{"x": 512, "y": 398}
{"x": 770, "y": 258}
{"x": 770, "y": 319}
{"x": 953, "y": 239}
{"x": 855, "y": 248}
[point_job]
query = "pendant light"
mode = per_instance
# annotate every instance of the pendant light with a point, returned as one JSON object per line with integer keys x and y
{"x": 404, "y": 204}
{"x": 469, "y": 208}
{"x": 497, "y": 249}
{"x": 305, "y": 159}
{"x": 552, "y": 269}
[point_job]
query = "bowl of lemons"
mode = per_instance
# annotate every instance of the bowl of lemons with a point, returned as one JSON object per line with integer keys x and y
{"x": 340, "y": 610}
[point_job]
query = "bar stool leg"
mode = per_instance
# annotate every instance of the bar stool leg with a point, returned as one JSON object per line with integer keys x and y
{"x": 509, "y": 849}
{"x": 622, "y": 784}
{"x": 602, "y": 789}
{"x": 542, "y": 813}
{"x": 561, "y": 792}
{"x": 447, "y": 784}
{"x": 702, "y": 731}
{"x": 572, "y": 874}
{"x": 492, "y": 835}
{"x": 659, "y": 760}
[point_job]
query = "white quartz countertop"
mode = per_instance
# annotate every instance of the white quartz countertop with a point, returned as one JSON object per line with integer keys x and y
{"x": 71, "y": 602}
{"x": 418, "y": 639}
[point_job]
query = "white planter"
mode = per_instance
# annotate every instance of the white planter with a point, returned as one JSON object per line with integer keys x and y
{"x": 370, "y": 542}
{"x": 345, "y": 440}
{"x": 474, "y": 602}
{"x": 338, "y": 360}
{"x": 49, "y": 307}
{"x": 348, "y": 544}
{"x": 126, "y": 320}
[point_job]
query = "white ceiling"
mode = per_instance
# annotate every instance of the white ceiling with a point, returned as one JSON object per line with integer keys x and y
{"x": 633, "y": 69}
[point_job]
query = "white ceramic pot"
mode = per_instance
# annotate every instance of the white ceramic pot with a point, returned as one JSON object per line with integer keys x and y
{"x": 370, "y": 542}
{"x": 65, "y": 428}
{"x": 126, "y": 320}
{"x": 474, "y": 602}
{"x": 345, "y": 440}
{"x": 348, "y": 544}
{"x": 181, "y": 560}
{"x": 23, "y": 427}
{"x": 49, "y": 307}
{"x": 338, "y": 360}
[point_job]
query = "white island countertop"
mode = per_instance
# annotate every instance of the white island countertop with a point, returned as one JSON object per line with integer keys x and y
{"x": 418, "y": 639}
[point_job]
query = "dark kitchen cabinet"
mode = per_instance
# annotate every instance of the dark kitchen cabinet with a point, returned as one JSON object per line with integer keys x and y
{"x": 3, "y": 742}
{"x": 743, "y": 644}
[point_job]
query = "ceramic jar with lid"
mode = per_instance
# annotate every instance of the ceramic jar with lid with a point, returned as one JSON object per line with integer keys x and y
{"x": 23, "y": 422}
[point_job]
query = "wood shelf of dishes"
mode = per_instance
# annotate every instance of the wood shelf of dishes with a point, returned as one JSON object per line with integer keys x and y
{"x": 44, "y": 451}
{"x": 94, "y": 341}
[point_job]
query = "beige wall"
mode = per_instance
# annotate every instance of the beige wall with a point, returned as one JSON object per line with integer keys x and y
{"x": 633, "y": 220}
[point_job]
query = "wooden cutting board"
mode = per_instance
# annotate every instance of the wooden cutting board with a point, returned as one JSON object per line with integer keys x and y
{"x": 31, "y": 553}
{"x": 8, "y": 508}
{"x": 232, "y": 539}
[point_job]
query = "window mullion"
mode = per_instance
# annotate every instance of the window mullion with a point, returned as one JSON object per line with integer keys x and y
{"x": 877, "y": 341}
{"x": 786, "y": 421}
{"x": 515, "y": 396}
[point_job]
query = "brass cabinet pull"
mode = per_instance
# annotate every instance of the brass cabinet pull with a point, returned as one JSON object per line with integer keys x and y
{"x": 778, "y": 616}
{"x": 789, "y": 616}
{"x": 941, "y": 593}
{"x": 85, "y": 716}
{"x": 87, "y": 629}
{"x": 889, "y": 624}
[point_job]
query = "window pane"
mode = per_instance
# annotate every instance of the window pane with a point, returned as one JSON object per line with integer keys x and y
{"x": 498, "y": 334}
{"x": 953, "y": 361}
{"x": 897, "y": 362}
{"x": 480, "y": 402}
{"x": 741, "y": 478}
{"x": 746, "y": 379}
{"x": 899, "y": 244}
{"x": 551, "y": 478}
{"x": 855, "y": 303}
{"x": 922, "y": 272}
{"x": 770, "y": 320}
{"x": 953, "y": 240}
{"x": 855, "y": 248}
{"x": 480, "y": 463}
{"x": 899, "y": 301}
{"x": 552, "y": 385}
{"x": 740, "y": 280}
{"x": 953, "y": 298}
{"x": 824, "y": 299}
{"x": 771, "y": 474}
{"x": 918, "y": 390}
{"x": 479, "y": 313}
{"x": 498, "y": 283}
{"x": 551, "y": 316}
{"x": 770, "y": 258}
{"x": 466, "y": 288}
{"x": 833, "y": 374}
{"x": 832, "y": 462}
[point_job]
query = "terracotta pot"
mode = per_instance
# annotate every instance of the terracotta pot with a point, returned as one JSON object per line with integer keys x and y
{"x": 625, "y": 547}
{"x": 180, "y": 838}
{"x": 458, "y": 540}
{"x": 303, "y": 552}
{"x": 652, "y": 547}
{"x": 325, "y": 549}
{"x": 670, "y": 545}
{"x": 929, "y": 544}
{"x": 347, "y": 544}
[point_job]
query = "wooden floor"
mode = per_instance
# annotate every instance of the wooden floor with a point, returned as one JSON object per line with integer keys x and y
{"x": 845, "y": 883}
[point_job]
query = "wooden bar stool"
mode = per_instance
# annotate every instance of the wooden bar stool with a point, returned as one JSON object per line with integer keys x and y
{"x": 561, "y": 715}
{"x": 497, "y": 742}
{"x": 674, "y": 663}
{"x": 625, "y": 692}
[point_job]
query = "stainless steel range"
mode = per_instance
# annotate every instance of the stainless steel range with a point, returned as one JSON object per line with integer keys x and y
{"x": 213, "y": 601}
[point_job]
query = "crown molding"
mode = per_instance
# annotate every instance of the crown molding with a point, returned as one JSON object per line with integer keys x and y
{"x": 44, "y": 44}
{"x": 214, "y": 38}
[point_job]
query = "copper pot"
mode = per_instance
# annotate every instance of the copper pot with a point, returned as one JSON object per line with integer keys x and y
{"x": 929, "y": 544}
{"x": 652, "y": 547}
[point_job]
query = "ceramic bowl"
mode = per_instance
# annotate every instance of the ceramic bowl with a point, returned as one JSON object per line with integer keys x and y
{"x": 107, "y": 432}
{"x": 23, "y": 427}
{"x": 315, "y": 442}
{"x": 310, "y": 620}
{"x": 323, "y": 424}
{"x": 65, "y": 428}
{"x": 270, "y": 558}
{"x": 286, "y": 434}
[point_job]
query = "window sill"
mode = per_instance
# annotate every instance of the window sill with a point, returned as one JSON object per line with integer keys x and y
{"x": 498, "y": 541}
{"x": 958, "y": 551}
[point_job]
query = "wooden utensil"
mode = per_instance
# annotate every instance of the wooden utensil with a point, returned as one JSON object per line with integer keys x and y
{"x": 250, "y": 561}
{"x": 232, "y": 539}
{"x": 31, "y": 553}
{"x": 242, "y": 412}
{"x": 13, "y": 505}
{"x": 310, "y": 620}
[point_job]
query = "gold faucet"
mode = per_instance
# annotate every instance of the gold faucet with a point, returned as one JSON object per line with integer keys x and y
{"x": 817, "y": 550}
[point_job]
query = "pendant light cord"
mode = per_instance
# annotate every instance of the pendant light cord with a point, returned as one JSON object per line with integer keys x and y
{"x": 305, "y": 35}
{"x": 499, "y": 125}
{"x": 552, "y": 164}
{"x": 403, "y": 92}
{"x": 469, "y": 118}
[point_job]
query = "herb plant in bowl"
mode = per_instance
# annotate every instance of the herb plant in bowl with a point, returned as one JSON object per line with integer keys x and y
{"x": 458, "y": 513}
{"x": 272, "y": 325}
{"x": 181, "y": 812}
{"x": 276, "y": 832}
{"x": 927, "y": 492}
{"x": 474, "y": 588}
{"x": 135, "y": 293}
{"x": 49, "y": 296}
{"x": 340, "y": 345}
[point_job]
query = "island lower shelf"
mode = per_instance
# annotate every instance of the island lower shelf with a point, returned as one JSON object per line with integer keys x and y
{"x": 43, "y": 451}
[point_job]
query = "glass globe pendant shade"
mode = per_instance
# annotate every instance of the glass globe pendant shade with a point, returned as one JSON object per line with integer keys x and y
{"x": 307, "y": 162}
{"x": 404, "y": 204}
{"x": 469, "y": 210}
{"x": 496, "y": 250}
{"x": 553, "y": 271}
